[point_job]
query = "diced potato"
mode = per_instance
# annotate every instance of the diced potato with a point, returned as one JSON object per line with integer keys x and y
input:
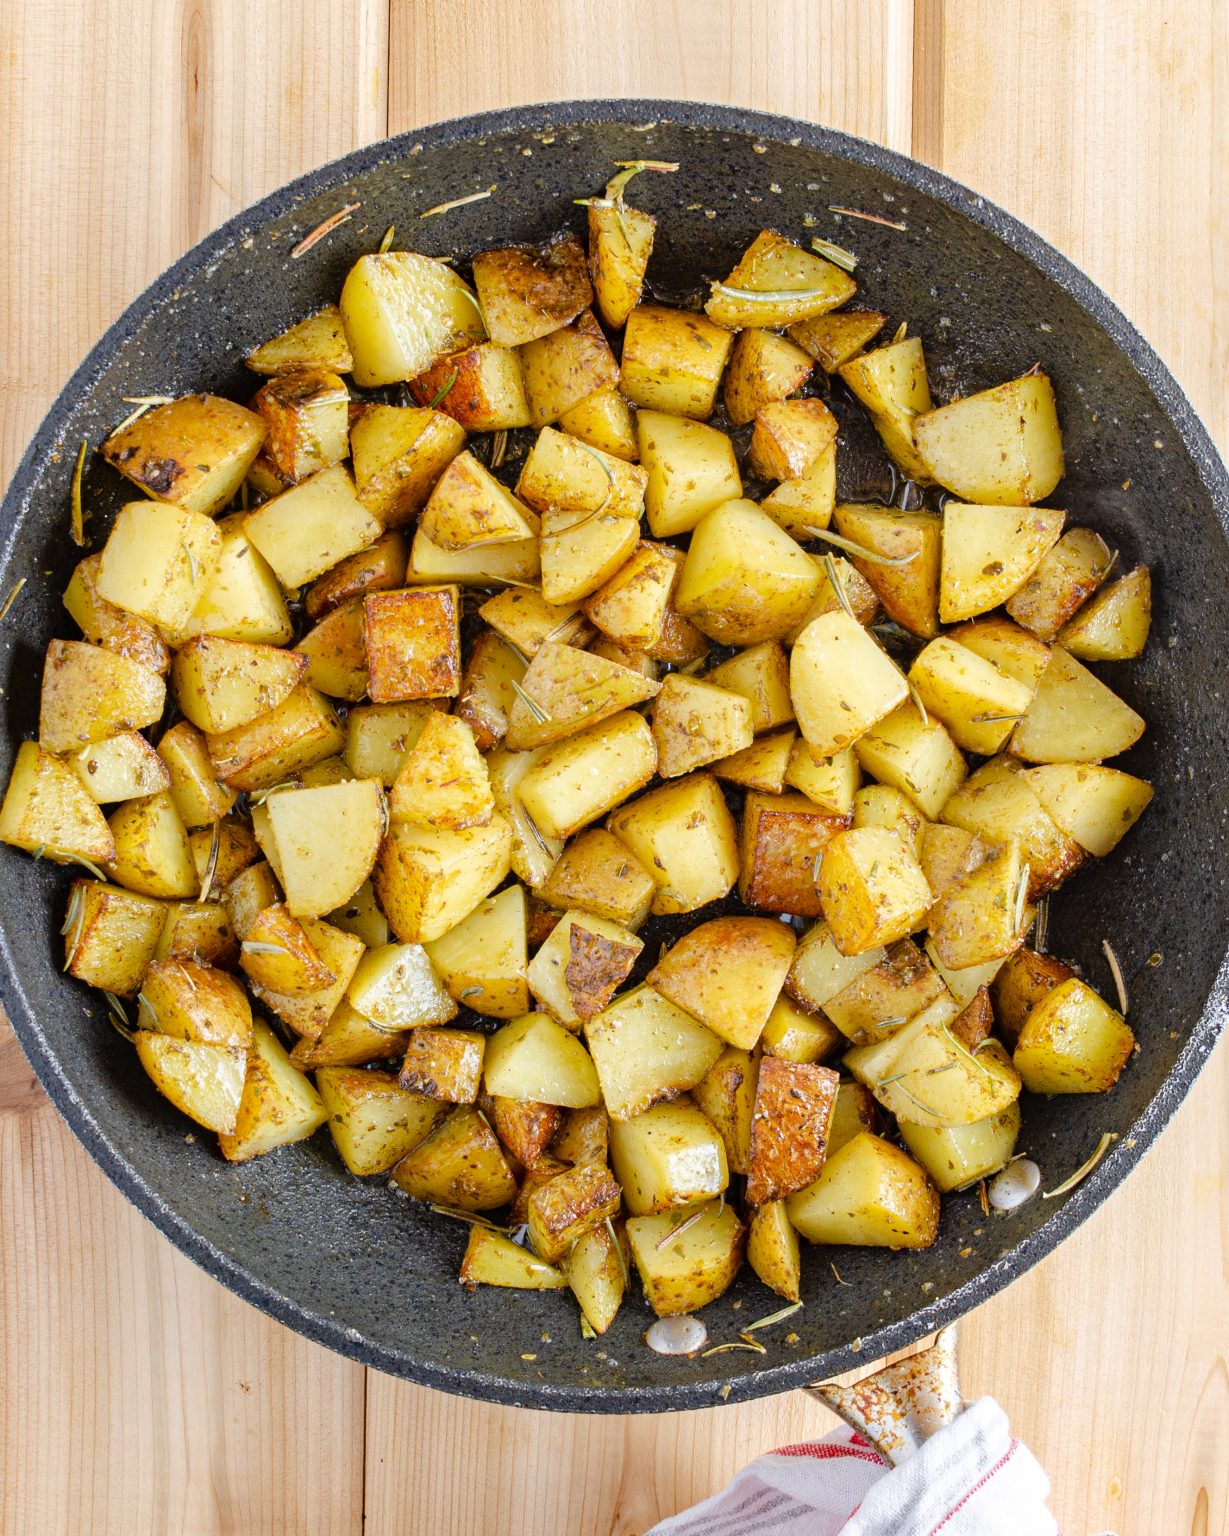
{"x": 428, "y": 879}
{"x": 975, "y": 1021}
{"x": 236, "y": 849}
{"x": 631, "y": 607}
{"x": 533, "y": 854}
{"x": 878, "y": 805}
{"x": 413, "y": 643}
{"x": 1073, "y": 1042}
{"x": 193, "y": 452}
{"x": 693, "y": 1269}
{"x": 492, "y": 1259}
{"x": 726, "y": 1094}
{"x": 278, "y": 955}
{"x": 582, "y": 777}
{"x": 564, "y": 689}
{"x": 525, "y": 1126}
{"x": 90, "y": 694}
{"x": 597, "y": 1273}
{"x": 727, "y": 973}
{"x": 745, "y": 580}
{"x": 247, "y": 894}
{"x": 1024, "y": 979}
{"x": 379, "y": 568}
{"x": 241, "y": 600}
{"x": 598, "y": 874}
{"x": 110, "y": 936}
{"x": 562, "y": 1209}
{"x": 397, "y": 987}
{"x": 336, "y": 654}
{"x": 279, "y": 1105}
{"x": 696, "y": 723}
{"x": 979, "y": 704}
{"x": 1070, "y": 573}
{"x": 831, "y": 782}
{"x": 891, "y": 382}
{"x": 444, "y": 1064}
{"x": 307, "y": 418}
{"x": 681, "y": 642}
{"x": 199, "y": 798}
{"x": 308, "y": 1013}
{"x": 492, "y": 565}
{"x": 401, "y": 311}
{"x": 529, "y": 291}
{"x": 807, "y": 501}
{"x": 620, "y": 243}
{"x": 645, "y": 1049}
{"x": 220, "y": 684}
{"x": 535, "y": 1058}
{"x": 762, "y": 765}
{"x": 871, "y": 889}
{"x": 673, "y": 361}
{"x": 315, "y": 342}
{"x": 948, "y": 854}
{"x": 565, "y": 367}
{"x": 761, "y": 675}
{"x": 768, "y": 270}
{"x": 858, "y": 594}
{"x": 1074, "y": 717}
{"x": 789, "y": 1128}
{"x": 563, "y": 473}
{"x": 763, "y": 368}
{"x": 790, "y": 436}
{"x": 200, "y": 932}
{"x": 604, "y": 421}
{"x": 583, "y": 1136}
{"x": 582, "y": 551}
{"x": 310, "y": 528}
{"x": 841, "y": 683}
{"x": 525, "y": 620}
{"x": 373, "y": 1121}
{"x": 482, "y": 959}
{"x": 460, "y": 1164}
{"x": 578, "y": 968}
{"x": 361, "y": 916}
{"x": 47, "y": 809}
{"x": 819, "y": 970}
{"x": 772, "y": 1250}
{"x": 999, "y": 804}
{"x": 399, "y": 453}
{"x": 956, "y": 1156}
{"x": 378, "y": 736}
{"x": 909, "y": 591}
{"x": 796, "y": 1034}
{"x": 887, "y": 996}
{"x": 855, "y": 1111}
{"x": 443, "y": 781}
{"x": 480, "y": 387}
{"x": 102, "y": 623}
{"x": 684, "y": 835}
{"x": 469, "y": 508}
{"x": 1113, "y": 626}
{"x": 870, "y": 1194}
{"x": 914, "y": 755}
{"x": 990, "y": 553}
{"x": 668, "y": 1156}
{"x": 487, "y": 695}
{"x": 1001, "y": 445}
{"x": 327, "y": 839}
{"x": 783, "y": 839}
{"x": 152, "y": 856}
{"x": 1012, "y": 650}
{"x": 193, "y": 1002}
{"x": 984, "y": 916}
{"x": 1094, "y": 805}
{"x": 833, "y": 339}
{"x": 691, "y": 469}
{"x": 204, "y": 1082}
{"x": 346, "y": 1039}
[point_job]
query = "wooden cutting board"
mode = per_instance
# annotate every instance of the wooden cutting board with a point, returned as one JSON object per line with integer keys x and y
{"x": 138, "y": 1396}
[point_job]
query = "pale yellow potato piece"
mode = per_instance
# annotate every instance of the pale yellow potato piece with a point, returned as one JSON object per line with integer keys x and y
{"x": 192, "y": 452}
{"x": 579, "y": 779}
{"x": 280, "y": 1104}
{"x": 726, "y": 1094}
{"x": 819, "y": 970}
{"x": 884, "y": 998}
{"x": 564, "y": 689}
{"x": 1012, "y": 649}
{"x": 645, "y": 1049}
{"x": 1113, "y": 625}
{"x": 891, "y": 382}
{"x": 204, "y": 1082}
{"x": 763, "y": 368}
{"x": 833, "y": 339}
{"x": 525, "y": 620}
{"x": 604, "y": 421}
{"x": 796, "y": 1034}
{"x": 672, "y": 361}
{"x": 373, "y": 1121}
{"x": 578, "y": 968}
{"x": 668, "y": 1156}
{"x": 535, "y": 1058}
{"x": 158, "y": 561}
{"x": 533, "y": 854}
{"x": 123, "y": 767}
{"x": 152, "y": 856}
{"x": 401, "y": 311}
{"x": 242, "y": 599}
{"x": 831, "y": 782}
{"x": 870, "y": 1194}
{"x": 565, "y": 367}
{"x": 443, "y": 781}
{"x": 461, "y": 1164}
{"x": 1073, "y": 1042}
{"x": 1000, "y": 804}
{"x": 327, "y": 839}
{"x": 336, "y": 654}
{"x": 90, "y": 693}
{"x": 102, "y": 623}
{"x": 879, "y": 805}
{"x": 600, "y": 875}
{"x": 399, "y": 452}
{"x": 378, "y": 737}
{"x": 762, "y": 765}
{"x": 696, "y": 723}
{"x": 685, "y": 836}
{"x": 772, "y": 1249}
{"x": 487, "y": 694}
{"x": 397, "y": 987}
{"x": 220, "y": 684}
{"x": 493, "y": 1259}
{"x": 965, "y": 983}
{"x": 620, "y": 243}
{"x": 978, "y": 703}
{"x": 310, "y": 528}
{"x": 315, "y": 342}
{"x": 910, "y": 592}
{"x": 488, "y": 565}
{"x": 806, "y": 502}
{"x": 561, "y": 471}
{"x": 1095, "y": 805}
{"x": 46, "y": 806}
{"x": 693, "y": 1269}
{"x": 277, "y": 954}
{"x": 761, "y": 674}
{"x": 581, "y": 551}
{"x": 1002, "y": 445}
{"x": 872, "y": 889}
{"x": 745, "y": 580}
{"x": 728, "y": 973}
{"x": 1074, "y": 717}
{"x": 914, "y": 755}
{"x": 1070, "y": 573}
{"x": 858, "y": 594}
{"x": 984, "y": 916}
{"x": 428, "y": 879}
{"x": 841, "y": 683}
{"x": 631, "y": 607}
{"x": 691, "y": 469}
{"x": 482, "y": 960}
{"x": 596, "y": 1270}
{"x": 469, "y": 508}
{"x": 770, "y": 268}
{"x": 790, "y": 437}
{"x": 956, "y": 1156}
{"x": 855, "y": 1111}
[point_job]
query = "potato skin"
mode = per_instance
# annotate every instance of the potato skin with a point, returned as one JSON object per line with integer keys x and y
{"x": 789, "y": 1127}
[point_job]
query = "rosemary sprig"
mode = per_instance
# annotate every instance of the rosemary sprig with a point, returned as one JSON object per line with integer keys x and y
{"x": 902, "y": 330}
{"x": 326, "y": 227}
{"x": 773, "y": 1317}
{"x": 145, "y": 1006}
{"x": 541, "y": 715}
{"x": 499, "y": 451}
{"x": 770, "y": 295}
{"x": 838, "y": 586}
{"x": 211, "y": 864}
{"x": 11, "y": 598}
{"x": 869, "y": 218}
{"x": 1041, "y": 925}
{"x": 850, "y": 548}
{"x": 1084, "y": 1169}
{"x": 991, "y": 719}
{"x": 259, "y": 796}
{"x": 535, "y": 831}
{"x": 472, "y": 1218}
{"x": 74, "y": 922}
{"x": 618, "y": 1248}
{"x": 261, "y": 947}
{"x": 446, "y": 391}
{"x": 77, "y": 506}
{"x": 457, "y": 202}
{"x": 1022, "y": 897}
{"x": 836, "y": 254}
{"x": 191, "y": 559}
{"x": 117, "y": 1015}
{"x": 143, "y": 403}
{"x": 752, "y": 1346}
{"x": 679, "y": 1229}
{"x": 918, "y": 704}
{"x": 837, "y": 1274}
{"x": 1116, "y": 972}
{"x": 386, "y": 243}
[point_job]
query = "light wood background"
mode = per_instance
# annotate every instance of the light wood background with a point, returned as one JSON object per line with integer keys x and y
{"x": 139, "y": 1397}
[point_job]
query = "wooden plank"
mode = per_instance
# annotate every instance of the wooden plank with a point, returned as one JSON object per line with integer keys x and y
{"x": 136, "y": 1393}
{"x": 1106, "y": 135}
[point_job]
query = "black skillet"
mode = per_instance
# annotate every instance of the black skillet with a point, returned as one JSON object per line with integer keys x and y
{"x": 366, "y": 1272}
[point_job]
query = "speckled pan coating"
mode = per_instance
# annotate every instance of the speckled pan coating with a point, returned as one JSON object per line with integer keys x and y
{"x": 366, "y": 1272}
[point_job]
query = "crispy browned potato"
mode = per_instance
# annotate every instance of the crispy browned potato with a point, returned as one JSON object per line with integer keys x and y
{"x": 569, "y": 1205}
{"x": 789, "y": 1127}
{"x": 783, "y": 840}
{"x": 1025, "y": 978}
{"x": 728, "y": 973}
{"x": 527, "y": 291}
{"x": 443, "y": 1064}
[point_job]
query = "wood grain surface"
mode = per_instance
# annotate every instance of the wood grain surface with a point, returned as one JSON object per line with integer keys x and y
{"x": 136, "y": 1395}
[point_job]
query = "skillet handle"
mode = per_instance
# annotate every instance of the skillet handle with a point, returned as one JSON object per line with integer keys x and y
{"x": 901, "y": 1405}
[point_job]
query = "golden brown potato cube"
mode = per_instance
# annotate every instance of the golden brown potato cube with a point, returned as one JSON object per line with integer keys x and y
{"x": 789, "y": 1127}
{"x": 998, "y": 804}
{"x": 684, "y": 835}
{"x": 646, "y": 1048}
{"x": 760, "y": 766}
{"x": 871, "y": 889}
{"x": 316, "y": 342}
{"x": 989, "y": 552}
{"x": 1113, "y": 626}
{"x": 761, "y": 674}
{"x": 569, "y": 1205}
{"x": 772, "y": 1250}
{"x": 1074, "y": 717}
{"x": 90, "y": 694}
{"x": 47, "y": 809}
{"x": 373, "y": 1122}
{"x": 379, "y": 735}
{"x": 1000, "y": 445}
{"x": 583, "y": 1136}
{"x": 620, "y": 243}
{"x": 878, "y": 805}
{"x": 493, "y": 1259}
{"x": 726, "y": 1094}
{"x": 673, "y": 361}
{"x": 310, "y": 528}
{"x": 631, "y": 607}
{"x": 582, "y": 777}
{"x": 249, "y": 893}
{"x": 443, "y": 781}
{"x": 880, "y": 1000}
{"x": 789, "y": 436}
{"x": 193, "y": 1002}
{"x": 301, "y": 731}
{"x": 525, "y": 1127}
{"x": 979, "y": 704}
{"x": 691, "y": 469}
{"x": 307, "y": 419}
{"x": 819, "y": 970}
{"x": 204, "y": 1082}
{"x": 487, "y": 695}
{"x": 745, "y": 580}
{"x": 805, "y": 503}
{"x": 696, "y": 723}
{"x": 871, "y": 1194}
{"x": 834, "y": 339}
{"x": 347, "y": 1039}
{"x": 841, "y": 683}
{"x": 335, "y": 652}
{"x": 914, "y": 755}
{"x": 1024, "y": 979}
{"x": 399, "y": 453}
{"x": 379, "y": 568}
{"x": 413, "y": 643}
{"x": 102, "y": 623}
{"x": 525, "y": 620}
{"x": 668, "y": 1156}
{"x": 604, "y": 421}
{"x": 763, "y": 367}
{"x": 728, "y": 973}
{"x": 444, "y": 1064}
{"x": 220, "y": 684}
{"x": 279, "y": 1105}
{"x": 1072, "y": 1042}
{"x": 777, "y": 283}
{"x": 460, "y": 1164}
{"x": 199, "y": 798}
{"x": 686, "y": 1272}
{"x": 482, "y": 959}
{"x": 481, "y": 388}
{"x": 891, "y": 382}
{"x": 598, "y": 874}
{"x": 681, "y": 642}
{"x": 158, "y": 562}
{"x": 831, "y": 782}
{"x": 783, "y": 840}
{"x": 529, "y": 291}
{"x": 563, "y": 473}
{"x": 198, "y": 931}
{"x": 909, "y": 591}
{"x": 956, "y": 1156}
{"x": 242, "y": 599}
{"x": 565, "y": 367}
{"x": 1071, "y": 572}
{"x": 193, "y": 452}
{"x": 468, "y": 508}
{"x": 401, "y": 311}
{"x": 984, "y": 916}
{"x": 564, "y": 689}
{"x": 1012, "y": 650}
{"x": 428, "y": 879}
{"x": 596, "y": 1269}
{"x": 152, "y": 856}
{"x": 581, "y": 551}
{"x": 796, "y": 1034}
{"x": 277, "y": 954}
{"x": 110, "y": 936}
{"x": 1095, "y": 805}
{"x": 535, "y": 1058}
{"x": 578, "y": 968}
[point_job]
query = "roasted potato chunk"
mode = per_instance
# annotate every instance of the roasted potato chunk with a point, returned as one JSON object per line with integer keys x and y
{"x": 789, "y": 1127}
{"x": 193, "y": 452}
{"x": 684, "y": 835}
{"x": 871, "y": 889}
{"x": 667, "y": 1156}
{"x": 527, "y": 292}
{"x": 728, "y": 973}
{"x": 413, "y": 643}
{"x": 673, "y": 361}
{"x": 577, "y": 970}
{"x": 687, "y": 1272}
{"x": 1072, "y": 1042}
{"x": 783, "y": 839}
{"x": 760, "y": 290}
{"x": 871, "y": 1194}
{"x": 1001, "y": 445}
{"x": 401, "y": 311}
{"x": 645, "y": 1048}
